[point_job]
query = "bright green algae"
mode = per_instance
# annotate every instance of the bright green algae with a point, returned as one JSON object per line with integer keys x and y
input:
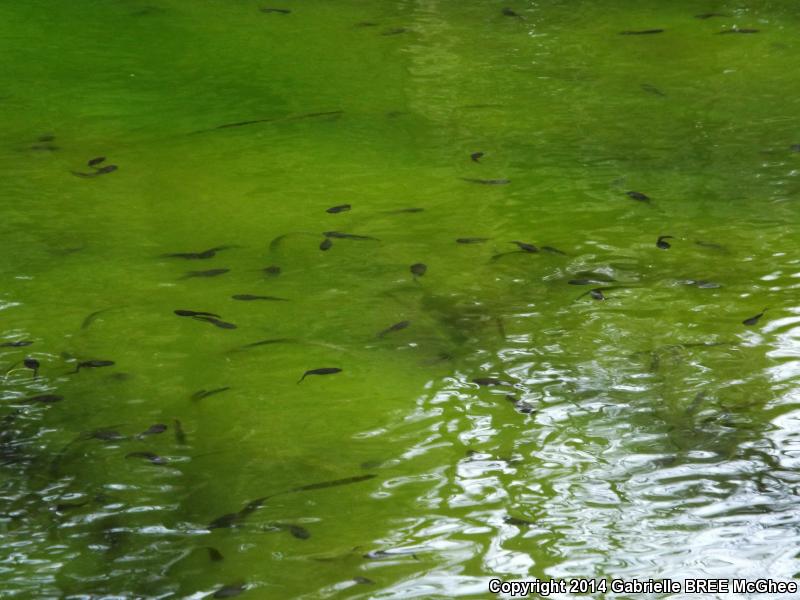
{"x": 661, "y": 442}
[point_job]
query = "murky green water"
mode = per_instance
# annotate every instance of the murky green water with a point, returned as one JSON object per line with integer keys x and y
{"x": 650, "y": 434}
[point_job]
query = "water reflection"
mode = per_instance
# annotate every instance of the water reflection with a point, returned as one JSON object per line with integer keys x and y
{"x": 616, "y": 453}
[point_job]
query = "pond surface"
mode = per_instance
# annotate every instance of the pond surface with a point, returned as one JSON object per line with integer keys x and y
{"x": 649, "y": 429}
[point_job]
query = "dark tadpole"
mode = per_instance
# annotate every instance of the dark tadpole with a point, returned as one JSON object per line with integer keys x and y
{"x": 406, "y": 210}
{"x": 240, "y": 124}
{"x": 45, "y": 399}
{"x": 363, "y": 580}
{"x": 700, "y": 283}
{"x": 226, "y": 521}
{"x": 271, "y": 271}
{"x": 322, "y": 371}
{"x": 252, "y": 297}
{"x": 396, "y": 327}
{"x": 195, "y": 313}
{"x": 65, "y": 506}
{"x": 662, "y": 244}
{"x": 206, "y": 393}
{"x": 337, "y": 209}
{"x": 489, "y": 381}
{"x": 641, "y": 32}
{"x": 180, "y": 435}
{"x": 210, "y": 253}
{"x": 147, "y": 10}
{"x": 93, "y": 364}
{"x": 348, "y": 236}
{"x": 517, "y": 522}
{"x": 298, "y": 531}
{"x": 229, "y": 591}
{"x": 208, "y": 273}
{"x": 395, "y": 31}
{"x": 92, "y": 317}
{"x": 705, "y": 285}
{"x": 96, "y": 161}
{"x": 754, "y": 320}
{"x": 710, "y": 15}
{"x": 154, "y": 459}
{"x": 271, "y": 120}
{"x": 476, "y": 156}
{"x": 33, "y": 365}
{"x": 233, "y": 519}
{"x": 552, "y": 250}
{"x": 278, "y": 11}
{"x": 391, "y": 553}
{"x": 104, "y": 435}
{"x": 597, "y": 293}
{"x": 214, "y": 555}
{"x": 711, "y": 245}
{"x": 418, "y": 269}
{"x": 152, "y": 430}
{"x": 333, "y": 483}
{"x": 329, "y": 113}
{"x": 520, "y": 406}
{"x": 510, "y": 13}
{"x": 100, "y": 171}
{"x": 471, "y": 240}
{"x": 501, "y": 328}
{"x": 651, "y": 89}
{"x": 525, "y": 247}
{"x": 326, "y": 244}
{"x": 265, "y": 343}
{"x": 736, "y": 30}
{"x": 638, "y": 196}
{"x": 18, "y": 344}
{"x": 216, "y": 322}
{"x": 487, "y": 181}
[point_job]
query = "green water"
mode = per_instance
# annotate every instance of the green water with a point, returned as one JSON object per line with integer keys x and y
{"x": 654, "y": 434}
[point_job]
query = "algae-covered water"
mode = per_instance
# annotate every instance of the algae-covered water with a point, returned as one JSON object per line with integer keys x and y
{"x": 653, "y": 433}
